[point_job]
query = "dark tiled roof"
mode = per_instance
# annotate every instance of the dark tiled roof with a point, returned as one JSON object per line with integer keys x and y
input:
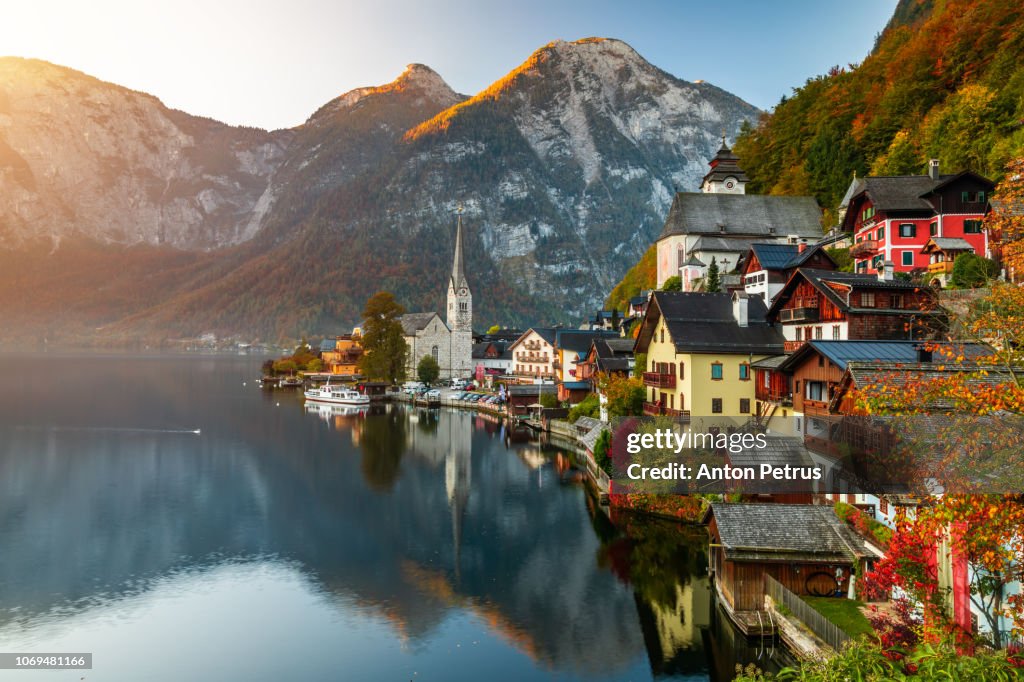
{"x": 720, "y": 244}
{"x": 901, "y": 192}
{"x": 752, "y": 215}
{"x": 774, "y": 256}
{"x": 413, "y": 322}
{"x": 704, "y": 323}
{"x": 842, "y": 353}
{"x": 579, "y": 340}
{"x": 770, "y": 363}
{"x": 947, "y": 244}
{"x": 638, "y": 300}
{"x": 725, "y": 164}
{"x": 804, "y": 532}
{"x": 778, "y": 451}
{"x": 619, "y": 345}
{"x": 531, "y": 389}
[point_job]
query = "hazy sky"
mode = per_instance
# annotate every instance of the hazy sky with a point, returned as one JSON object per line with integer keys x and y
{"x": 271, "y": 63}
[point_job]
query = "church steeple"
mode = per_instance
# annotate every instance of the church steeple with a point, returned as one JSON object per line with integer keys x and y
{"x": 460, "y": 299}
{"x": 725, "y": 176}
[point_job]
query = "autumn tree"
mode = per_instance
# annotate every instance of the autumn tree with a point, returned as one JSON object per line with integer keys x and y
{"x": 384, "y": 346}
{"x": 625, "y": 394}
{"x": 1005, "y": 222}
{"x": 673, "y": 283}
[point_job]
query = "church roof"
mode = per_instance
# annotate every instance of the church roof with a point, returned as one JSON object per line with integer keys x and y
{"x": 747, "y": 215}
{"x": 458, "y": 267}
{"x": 414, "y": 322}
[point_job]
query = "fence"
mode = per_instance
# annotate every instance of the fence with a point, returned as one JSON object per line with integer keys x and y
{"x": 825, "y": 629}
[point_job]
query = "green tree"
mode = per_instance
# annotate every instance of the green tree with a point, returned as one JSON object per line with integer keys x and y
{"x": 428, "y": 370}
{"x": 494, "y": 329}
{"x": 384, "y": 348}
{"x": 588, "y": 407}
{"x": 673, "y": 283}
{"x": 971, "y": 271}
{"x": 842, "y": 258}
{"x": 314, "y": 365}
{"x": 713, "y": 283}
{"x": 287, "y": 366}
{"x": 548, "y": 400}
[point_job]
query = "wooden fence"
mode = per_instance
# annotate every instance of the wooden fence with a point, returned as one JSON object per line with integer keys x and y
{"x": 826, "y": 630}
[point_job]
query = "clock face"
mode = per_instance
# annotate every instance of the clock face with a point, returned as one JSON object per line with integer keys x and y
{"x": 730, "y": 183}
{"x": 463, "y": 291}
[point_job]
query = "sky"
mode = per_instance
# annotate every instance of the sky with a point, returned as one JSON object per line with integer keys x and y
{"x": 272, "y": 63}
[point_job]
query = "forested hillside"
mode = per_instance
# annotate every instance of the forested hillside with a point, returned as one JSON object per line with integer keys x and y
{"x": 945, "y": 80}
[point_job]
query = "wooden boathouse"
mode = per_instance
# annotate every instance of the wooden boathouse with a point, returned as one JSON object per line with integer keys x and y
{"x": 804, "y": 547}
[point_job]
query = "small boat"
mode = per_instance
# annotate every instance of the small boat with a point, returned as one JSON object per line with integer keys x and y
{"x": 290, "y": 382}
{"x": 337, "y": 395}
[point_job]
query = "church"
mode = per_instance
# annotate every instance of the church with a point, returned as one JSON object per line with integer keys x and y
{"x": 449, "y": 341}
{"x": 722, "y": 221}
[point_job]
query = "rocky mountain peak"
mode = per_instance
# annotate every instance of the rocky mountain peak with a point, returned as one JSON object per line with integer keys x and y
{"x": 423, "y": 83}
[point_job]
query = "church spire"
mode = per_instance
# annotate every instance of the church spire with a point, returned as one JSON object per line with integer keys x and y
{"x": 458, "y": 268}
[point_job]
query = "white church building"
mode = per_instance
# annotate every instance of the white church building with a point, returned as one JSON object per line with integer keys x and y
{"x": 449, "y": 341}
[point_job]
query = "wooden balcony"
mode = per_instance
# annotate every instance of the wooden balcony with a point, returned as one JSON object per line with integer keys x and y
{"x": 864, "y": 249}
{"x": 658, "y": 410}
{"x": 800, "y": 310}
{"x": 658, "y": 380}
{"x": 790, "y": 346}
{"x": 941, "y": 268}
{"x": 784, "y": 398}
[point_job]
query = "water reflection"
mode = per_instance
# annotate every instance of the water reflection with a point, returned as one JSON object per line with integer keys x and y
{"x": 413, "y": 540}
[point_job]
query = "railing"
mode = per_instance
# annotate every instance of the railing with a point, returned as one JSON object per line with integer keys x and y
{"x": 659, "y": 380}
{"x": 945, "y": 266}
{"x": 865, "y": 248}
{"x": 790, "y": 346}
{"x": 803, "y": 309}
{"x": 659, "y": 410}
{"x": 652, "y": 409}
{"x": 821, "y": 626}
{"x": 783, "y": 398}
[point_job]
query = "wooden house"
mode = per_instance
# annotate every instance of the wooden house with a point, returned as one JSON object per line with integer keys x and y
{"x": 805, "y": 547}
{"x": 768, "y": 266}
{"x": 839, "y": 306}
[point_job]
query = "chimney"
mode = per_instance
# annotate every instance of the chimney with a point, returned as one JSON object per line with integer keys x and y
{"x": 933, "y": 169}
{"x": 802, "y": 246}
{"x": 885, "y": 272}
{"x": 739, "y": 308}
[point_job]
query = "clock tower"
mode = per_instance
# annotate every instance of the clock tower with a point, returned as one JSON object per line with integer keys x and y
{"x": 725, "y": 176}
{"x": 460, "y": 311}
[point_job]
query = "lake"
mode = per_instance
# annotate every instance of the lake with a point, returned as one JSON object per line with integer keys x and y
{"x": 171, "y": 517}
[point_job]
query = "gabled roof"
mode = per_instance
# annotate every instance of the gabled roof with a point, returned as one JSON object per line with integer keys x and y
{"x": 842, "y": 353}
{"x": 414, "y": 322}
{"x": 777, "y": 256}
{"x": 704, "y": 323}
{"x": 579, "y": 340}
{"x": 907, "y": 192}
{"x": 546, "y": 333}
{"x": 946, "y": 244}
{"x": 821, "y": 279}
{"x": 752, "y": 215}
{"x": 785, "y": 532}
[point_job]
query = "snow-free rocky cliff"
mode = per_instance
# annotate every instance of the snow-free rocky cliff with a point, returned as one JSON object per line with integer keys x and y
{"x": 565, "y": 169}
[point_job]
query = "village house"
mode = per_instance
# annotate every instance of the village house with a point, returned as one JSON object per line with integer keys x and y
{"x": 533, "y": 355}
{"x": 341, "y": 354}
{"x": 699, "y": 348}
{"x": 493, "y": 357}
{"x": 804, "y": 547}
{"x": 824, "y": 304}
{"x": 768, "y": 266}
{"x": 612, "y": 356}
{"x": 722, "y": 221}
{"x": 892, "y": 218}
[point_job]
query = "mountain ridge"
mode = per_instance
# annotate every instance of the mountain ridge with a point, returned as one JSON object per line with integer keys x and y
{"x": 563, "y": 174}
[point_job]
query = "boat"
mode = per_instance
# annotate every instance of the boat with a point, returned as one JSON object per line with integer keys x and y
{"x": 337, "y": 395}
{"x": 290, "y": 382}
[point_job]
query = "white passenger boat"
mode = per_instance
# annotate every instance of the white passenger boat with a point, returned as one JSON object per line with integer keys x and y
{"x": 337, "y": 395}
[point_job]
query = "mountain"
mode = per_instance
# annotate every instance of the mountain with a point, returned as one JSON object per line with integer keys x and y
{"x": 945, "y": 80}
{"x": 564, "y": 169}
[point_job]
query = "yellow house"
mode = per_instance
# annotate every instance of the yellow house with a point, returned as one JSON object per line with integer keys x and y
{"x": 699, "y": 350}
{"x": 343, "y": 357}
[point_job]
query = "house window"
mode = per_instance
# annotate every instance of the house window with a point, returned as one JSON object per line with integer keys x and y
{"x": 817, "y": 332}
{"x": 716, "y": 406}
{"x": 434, "y": 352}
{"x": 883, "y": 505}
{"x": 972, "y": 227}
{"x": 836, "y": 332}
{"x": 896, "y": 301}
{"x": 744, "y": 372}
{"x": 662, "y": 336}
{"x": 716, "y": 371}
{"x": 799, "y": 334}
{"x": 815, "y": 391}
{"x": 876, "y": 262}
{"x": 966, "y": 197}
{"x": 862, "y": 266}
{"x": 744, "y": 405}
{"x": 681, "y": 369}
{"x": 867, "y": 299}
{"x": 908, "y": 230}
{"x": 981, "y": 197}
{"x": 821, "y": 361}
{"x": 463, "y": 306}
{"x": 881, "y": 233}
{"x": 908, "y": 257}
{"x": 933, "y": 229}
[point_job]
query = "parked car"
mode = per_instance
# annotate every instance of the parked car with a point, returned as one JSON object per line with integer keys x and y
{"x": 434, "y": 394}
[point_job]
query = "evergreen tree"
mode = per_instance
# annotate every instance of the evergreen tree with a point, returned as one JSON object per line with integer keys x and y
{"x": 383, "y": 339}
{"x": 713, "y": 283}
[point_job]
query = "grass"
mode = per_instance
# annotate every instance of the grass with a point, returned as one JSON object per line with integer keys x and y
{"x": 845, "y": 613}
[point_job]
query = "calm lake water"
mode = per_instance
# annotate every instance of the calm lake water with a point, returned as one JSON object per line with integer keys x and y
{"x": 180, "y": 523}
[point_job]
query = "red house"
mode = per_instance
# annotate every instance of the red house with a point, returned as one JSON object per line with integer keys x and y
{"x": 892, "y": 218}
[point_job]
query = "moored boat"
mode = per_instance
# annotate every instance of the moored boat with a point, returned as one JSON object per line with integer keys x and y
{"x": 337, "y": 395}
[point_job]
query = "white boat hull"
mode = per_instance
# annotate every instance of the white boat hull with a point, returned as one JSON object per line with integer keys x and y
{"x": 330, "y": 400}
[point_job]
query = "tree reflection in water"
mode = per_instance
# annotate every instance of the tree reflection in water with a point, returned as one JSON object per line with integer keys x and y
{"x": 383, "y": 441}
